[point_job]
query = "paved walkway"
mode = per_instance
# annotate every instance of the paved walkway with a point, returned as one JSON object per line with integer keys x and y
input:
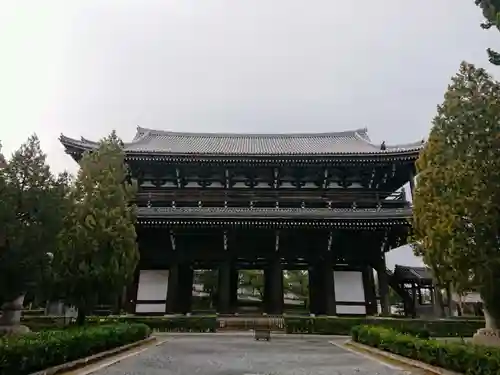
{"x": 241, "y": 355}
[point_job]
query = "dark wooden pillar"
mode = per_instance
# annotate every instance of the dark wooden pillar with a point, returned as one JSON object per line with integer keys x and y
{"x": 328, "y": 286}
{"x": 172, "y": 289}
{"x": 415, "y": 292}
{"x": 316, "y": 299}
{"x": 224, "y": 289}
{"x": 233, "y": 289}
{"x": 383, "y": 286}
{"x": 274, "y": 276}
{"x": 132, "y": 292}
{"x": 266, "y": 298}
{"x": 185, "y": 289}
{"x": 370, "y": 293}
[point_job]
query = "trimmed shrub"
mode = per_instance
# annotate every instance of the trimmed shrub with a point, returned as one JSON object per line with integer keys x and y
{"x": 418, "y": 327}
{"x": 40, "y": 323}
{"x": 459, "y": 357}
{"x": 156, "y": 323}
{"x": 37, "y": 351}
{"x": 165, "y": 324}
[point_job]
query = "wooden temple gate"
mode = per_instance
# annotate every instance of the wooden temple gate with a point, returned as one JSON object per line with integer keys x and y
{"x": 327, "y": 203}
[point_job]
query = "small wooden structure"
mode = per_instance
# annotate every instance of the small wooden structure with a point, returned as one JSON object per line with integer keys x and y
{"x": 425, "y": 296}
{"x": 262, "y": 329}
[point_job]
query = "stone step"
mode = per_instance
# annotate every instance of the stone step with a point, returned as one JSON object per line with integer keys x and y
{"x": 238, "y": 323}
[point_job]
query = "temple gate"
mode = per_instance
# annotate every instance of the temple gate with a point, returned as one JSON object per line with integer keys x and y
{"x": 328, "y": 203}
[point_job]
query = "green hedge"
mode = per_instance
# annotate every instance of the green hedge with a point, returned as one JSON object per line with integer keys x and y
{"x": 156, "y": 323}
{"x": 40, "y": 323}
{"x": 165, "y": 324}
{"x": 37, "y": 351}
{"x": 316, "y": 325}
{"x": 419, "y": 327}
{"x": 459, "y": 357}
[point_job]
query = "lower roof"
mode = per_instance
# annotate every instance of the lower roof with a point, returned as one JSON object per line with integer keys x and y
{"x": 413, "y": 273}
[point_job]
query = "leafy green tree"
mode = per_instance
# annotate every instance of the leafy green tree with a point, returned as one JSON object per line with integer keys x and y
{"x": 457, "y": 199}
{"x": 297, "y": 282}
{"x": 254, "y": 280}
{"x": 3, "y": 162}
{"x": 491, "y": 12}
{"x": 209, "y": 279}
{"x": 32, "y": 208}
{"x": 98, "y": 253}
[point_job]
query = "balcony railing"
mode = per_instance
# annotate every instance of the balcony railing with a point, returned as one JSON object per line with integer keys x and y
{"x": 256, "y": 198}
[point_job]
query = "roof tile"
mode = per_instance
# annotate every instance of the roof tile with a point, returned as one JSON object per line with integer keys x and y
{"x": 159, "y": 141}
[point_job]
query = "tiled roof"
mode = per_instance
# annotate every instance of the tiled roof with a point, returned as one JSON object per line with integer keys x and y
{"x": 271, "y": 213}
{"x": 176, "y": 143}
{"x": 413, "y": 273}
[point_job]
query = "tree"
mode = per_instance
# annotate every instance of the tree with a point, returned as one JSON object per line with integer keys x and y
{"x": 491, "y": 12}
{"x": 3, "y": 162}
{"x": 32, "y": 208}
{"x": 209, "y": 279}
{"x": 457, "y": 199}
{"x": 254, "y": 280}
{"x": 297, "y": 282}
{"x": 98, "y": 253}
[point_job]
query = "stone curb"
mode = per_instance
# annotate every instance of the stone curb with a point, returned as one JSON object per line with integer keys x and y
{"x": 401, "y": 359}
{"x": 82, "y": 362}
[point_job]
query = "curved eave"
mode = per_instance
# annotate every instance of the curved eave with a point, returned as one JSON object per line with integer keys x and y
{"x": 275, "y": 158}
{"x": 76, "y": 150}
{"x": 415, "y": 151}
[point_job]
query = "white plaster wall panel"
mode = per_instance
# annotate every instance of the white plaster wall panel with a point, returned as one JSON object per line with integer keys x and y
{"x": 349, "y": 286}
{"x": 153, "y": 285}
{"x": 150, "y": 308}
{"x": 354, "y": 310}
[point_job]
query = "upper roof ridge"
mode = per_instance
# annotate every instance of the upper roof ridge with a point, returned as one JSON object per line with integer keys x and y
{"x": 362, "y": 133}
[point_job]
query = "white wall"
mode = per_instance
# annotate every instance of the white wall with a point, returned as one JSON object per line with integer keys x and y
{"x": 153, "y": 286}
{"x": 349, "y": 288}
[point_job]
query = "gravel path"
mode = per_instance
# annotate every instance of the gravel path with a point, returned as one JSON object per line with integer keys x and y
{"x": 226, "y": 355}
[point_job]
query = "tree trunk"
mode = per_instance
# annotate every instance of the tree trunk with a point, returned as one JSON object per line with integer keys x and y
{"x": 490, "y": 335}
{"x": 491, "y": 318}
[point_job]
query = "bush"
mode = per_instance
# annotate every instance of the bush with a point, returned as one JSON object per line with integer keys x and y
{"x": 156, "y": 323}
{"x": 459, "y": 357}
{"x": 38, "y": 351}
{"x": 40, "y": 323}
{"x": 165, "y": 324}
{"x": 418, "y": 327}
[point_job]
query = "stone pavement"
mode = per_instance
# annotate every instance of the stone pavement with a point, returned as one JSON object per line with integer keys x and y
{"x": 241, "y": 355}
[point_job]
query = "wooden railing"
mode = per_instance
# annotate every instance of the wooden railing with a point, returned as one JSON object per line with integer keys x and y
{"x": 268, "y": 198}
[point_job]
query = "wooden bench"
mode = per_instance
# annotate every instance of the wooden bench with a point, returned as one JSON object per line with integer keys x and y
{"x": 262, "y": 329}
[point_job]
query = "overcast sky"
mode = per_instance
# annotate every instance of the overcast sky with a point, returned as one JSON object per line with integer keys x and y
{"x": 85, "y": 67}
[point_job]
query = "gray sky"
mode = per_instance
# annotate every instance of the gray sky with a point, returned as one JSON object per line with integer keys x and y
{"x": 85, "y": 67}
